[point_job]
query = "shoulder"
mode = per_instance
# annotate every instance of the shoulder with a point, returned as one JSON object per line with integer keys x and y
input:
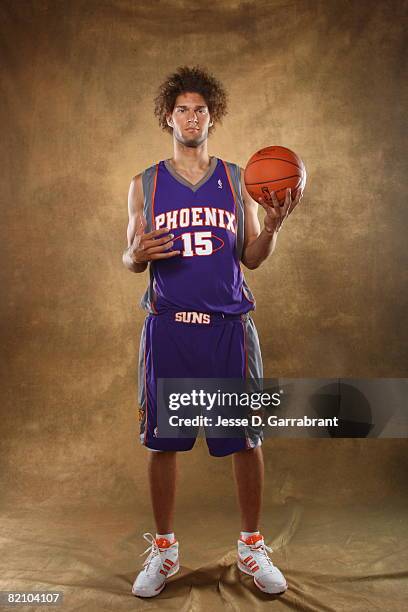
{"x": 229, "y": 163}
{"x": 146, "y": 172}
{"x": 139, "y": 181}
{"x": 235, "y": 170}
{"x": 239, "y": 173}
{"x": 235, "y": 167}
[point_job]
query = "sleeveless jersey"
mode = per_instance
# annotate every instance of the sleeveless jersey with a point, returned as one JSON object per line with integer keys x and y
{"x": 207, "y": 221}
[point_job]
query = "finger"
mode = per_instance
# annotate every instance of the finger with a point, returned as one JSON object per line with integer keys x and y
{"x": 152, "y": 242}
{"x": 140, "y": 237}
{"x": 264, "y": 204}
{"x": 165, "y": 255}
{"x": 296, "y": 200}
{"x": 262, "y": 201}
{"x": 159, "y": 249}
{"x": 157, "y": 232}
{"x": 288, "y": 199}
{"x": 287, "y": 203}
{"x": 276, "y": 205}
{"x": 274, "y": 198}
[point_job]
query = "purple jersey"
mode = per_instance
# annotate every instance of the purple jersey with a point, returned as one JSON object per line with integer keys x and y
{"x": 207, "y": 221}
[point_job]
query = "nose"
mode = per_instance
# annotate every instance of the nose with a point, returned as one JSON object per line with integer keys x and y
{"x": 192, "y": 117}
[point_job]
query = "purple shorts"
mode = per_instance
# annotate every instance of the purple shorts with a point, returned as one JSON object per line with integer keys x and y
{"x": 195, "y": 345}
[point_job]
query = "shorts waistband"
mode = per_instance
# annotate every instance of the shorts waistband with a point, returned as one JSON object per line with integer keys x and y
{"x": 196, "y": 317}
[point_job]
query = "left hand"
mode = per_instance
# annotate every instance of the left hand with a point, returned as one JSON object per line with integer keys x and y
{"x": 276, "y": 214}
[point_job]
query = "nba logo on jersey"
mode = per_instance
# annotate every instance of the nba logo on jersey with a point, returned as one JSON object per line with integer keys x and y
{"x": 219, "y": 184}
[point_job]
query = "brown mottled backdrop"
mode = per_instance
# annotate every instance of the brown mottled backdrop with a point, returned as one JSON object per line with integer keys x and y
{"x": 325, "y": 78}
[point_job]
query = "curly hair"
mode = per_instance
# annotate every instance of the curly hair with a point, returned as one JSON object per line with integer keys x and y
{"x": 194, "y": 80}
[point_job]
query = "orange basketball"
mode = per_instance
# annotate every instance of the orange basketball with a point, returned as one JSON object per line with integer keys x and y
{"x": 274, "y": 169}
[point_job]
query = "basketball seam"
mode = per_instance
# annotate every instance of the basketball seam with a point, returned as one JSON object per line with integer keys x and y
{"x": 277, "y": 158}
{"x": 284, "y": 178}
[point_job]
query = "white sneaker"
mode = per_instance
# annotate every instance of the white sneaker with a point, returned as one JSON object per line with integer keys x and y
{"x": 253, "y": 560}
{"x": 162, "y": 562}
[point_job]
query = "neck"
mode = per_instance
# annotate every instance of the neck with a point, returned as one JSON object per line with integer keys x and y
{"x": 191, "y": 158}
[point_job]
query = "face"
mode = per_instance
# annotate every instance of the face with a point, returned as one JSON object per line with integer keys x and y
{"x": 190, "y": 119}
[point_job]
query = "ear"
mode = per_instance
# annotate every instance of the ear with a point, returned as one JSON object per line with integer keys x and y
{"x": 169, "y": 121}
{"x": 211, "y": 124}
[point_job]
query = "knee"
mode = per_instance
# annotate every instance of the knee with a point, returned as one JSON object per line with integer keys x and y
{"x": 249, "y": 451}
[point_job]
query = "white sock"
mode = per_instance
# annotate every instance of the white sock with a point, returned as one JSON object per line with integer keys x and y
{"x": 169, "y": 536}
{"x": 247, "y": 534}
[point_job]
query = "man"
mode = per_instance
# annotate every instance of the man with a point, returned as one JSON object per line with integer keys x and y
{"x": 192, "y": 221}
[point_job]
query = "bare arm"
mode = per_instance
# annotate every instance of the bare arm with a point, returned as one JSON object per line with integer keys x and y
{"x": 135, "y": 211}
{"x": 143, "y": 247}
{"x": 258, "y": 245}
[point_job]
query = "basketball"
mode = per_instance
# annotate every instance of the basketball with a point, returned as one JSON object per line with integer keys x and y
{"x": 274, "y": 169}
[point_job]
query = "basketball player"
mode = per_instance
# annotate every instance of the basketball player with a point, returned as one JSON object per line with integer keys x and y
{"x": 191, "y": 222}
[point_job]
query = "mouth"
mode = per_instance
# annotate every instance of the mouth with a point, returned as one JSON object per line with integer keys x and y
{"x": 190, "y": 129}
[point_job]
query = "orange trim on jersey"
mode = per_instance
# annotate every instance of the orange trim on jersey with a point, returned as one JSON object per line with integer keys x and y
{"x": 245, "y": 349}
{"x": 232, "y": 190}
{"x": 152, "y": 304}
{"x": 246, "y": 295}
{"x": 154, "y": 227}
{"x": 227, "y": 172}
{"x": 247, "y": 439}
{"x": 153, "y": 196}
{"x": 145, "y": 381}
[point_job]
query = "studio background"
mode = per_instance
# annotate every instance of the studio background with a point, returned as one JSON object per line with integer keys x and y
{"x": 324, "y": 78}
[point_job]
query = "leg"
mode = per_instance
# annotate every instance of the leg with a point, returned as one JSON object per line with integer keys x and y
{"x": 249, "y": 477}
{"x": 163, "y": 559}
{"x": 162, "y": 467}
{"x": 253, "y": 558}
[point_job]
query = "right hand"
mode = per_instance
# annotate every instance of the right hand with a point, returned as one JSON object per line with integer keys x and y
{"x": 151, "y": 246}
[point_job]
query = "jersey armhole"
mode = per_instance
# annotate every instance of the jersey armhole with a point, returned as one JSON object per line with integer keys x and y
{"x": 235, "y": 173}
{"x": 149, "y": 182}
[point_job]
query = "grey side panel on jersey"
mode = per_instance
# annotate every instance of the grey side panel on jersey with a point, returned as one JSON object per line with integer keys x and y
{"x": 235, "y": 172}
{"x": 142, "y": 381}
{"x": 148, "y": 296}
{"x": 254, "y": 433}
{"x": 142, "y": 388}
{"x": 141, "y": 369}
{"x": 255, "y": 366}
{"x": 148, "y": 187}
